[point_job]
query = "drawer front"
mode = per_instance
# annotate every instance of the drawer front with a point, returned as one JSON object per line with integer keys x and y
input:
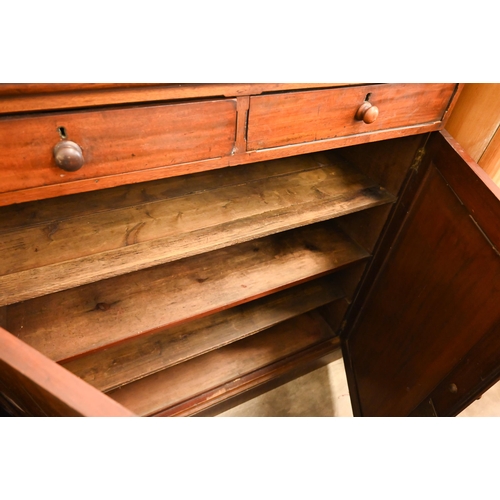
{"x": 301, "y": 117}
{"x": 114, "y": 141}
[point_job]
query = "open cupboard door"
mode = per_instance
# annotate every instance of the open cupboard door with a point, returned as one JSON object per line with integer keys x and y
{"x": 31, "y": 385}
{"x": 423, "y": 336}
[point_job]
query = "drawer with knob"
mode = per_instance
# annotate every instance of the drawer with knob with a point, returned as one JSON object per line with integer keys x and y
{"x": 43, "y": 151}
{"x": 307, "y": 116}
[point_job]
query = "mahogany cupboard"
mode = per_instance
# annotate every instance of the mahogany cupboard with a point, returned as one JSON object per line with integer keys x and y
{"x": 177, "y": 249}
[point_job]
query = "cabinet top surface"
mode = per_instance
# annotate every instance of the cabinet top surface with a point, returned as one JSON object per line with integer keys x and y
{"x": 26, "y": 97}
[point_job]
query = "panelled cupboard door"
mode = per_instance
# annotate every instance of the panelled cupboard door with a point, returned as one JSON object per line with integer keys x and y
{"x": 426, "y": 338}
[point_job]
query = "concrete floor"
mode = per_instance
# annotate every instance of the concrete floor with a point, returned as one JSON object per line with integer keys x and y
{"x": 324, "y": 393}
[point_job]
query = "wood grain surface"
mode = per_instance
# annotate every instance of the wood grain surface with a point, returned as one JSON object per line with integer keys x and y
{"x": 189, "y": 145}
{"x": 295, "y": 118}
{"x": 83, "y": 319}
{"x": 174, "y": 385}
{"x": 36, "y": 386}
{"x": 476, "y": 117}
{"x": 113, "y": 366}
{"x": 475, "y": 124}
{"x": 437, "y": 294}
{"x": 114, "y": 141}
{"x": 25, "y": 97}
{"x": 69, "y": 246}
{"x": 476, "y": 372}
{"x": 490, "y": 161}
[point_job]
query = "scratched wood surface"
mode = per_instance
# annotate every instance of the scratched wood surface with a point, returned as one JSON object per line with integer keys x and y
{"x": 187, "y": 380}
{"x": 55, "y": 245}
{"x": 116, "y": 365}
{"x": 72, "y": 322}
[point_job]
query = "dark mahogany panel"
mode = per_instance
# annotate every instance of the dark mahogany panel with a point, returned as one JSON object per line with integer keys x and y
{"x": 437, "y": 294}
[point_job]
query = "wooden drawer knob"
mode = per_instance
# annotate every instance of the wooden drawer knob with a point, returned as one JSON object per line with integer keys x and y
{"x": 68, "y": 156}
{"x": 367, "y": 112}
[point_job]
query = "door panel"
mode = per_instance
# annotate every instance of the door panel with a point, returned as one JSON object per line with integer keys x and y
{"x": 436, "y": 295}
{"x": 33, "y": 385}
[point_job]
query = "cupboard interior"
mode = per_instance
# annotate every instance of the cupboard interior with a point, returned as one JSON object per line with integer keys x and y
{"x": 180, "y": 296}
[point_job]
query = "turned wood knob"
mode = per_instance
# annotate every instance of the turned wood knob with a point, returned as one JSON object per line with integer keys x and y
{"x": 367, "y": 112}
{"x": 68, "y": 156}
{"x": 453, "y": 388}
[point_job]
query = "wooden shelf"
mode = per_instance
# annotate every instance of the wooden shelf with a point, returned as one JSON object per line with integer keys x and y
{"x": 54, "y": 245}
{"x": 221, "y": 274}
{"x": 226, "y": 370}
{"x": 84, "y": 319}
{"x": 141, "y": 356}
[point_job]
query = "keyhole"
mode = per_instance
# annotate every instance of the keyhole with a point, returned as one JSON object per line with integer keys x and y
{"x": 367, "y": 98}
{"x": 62, "y": 132}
